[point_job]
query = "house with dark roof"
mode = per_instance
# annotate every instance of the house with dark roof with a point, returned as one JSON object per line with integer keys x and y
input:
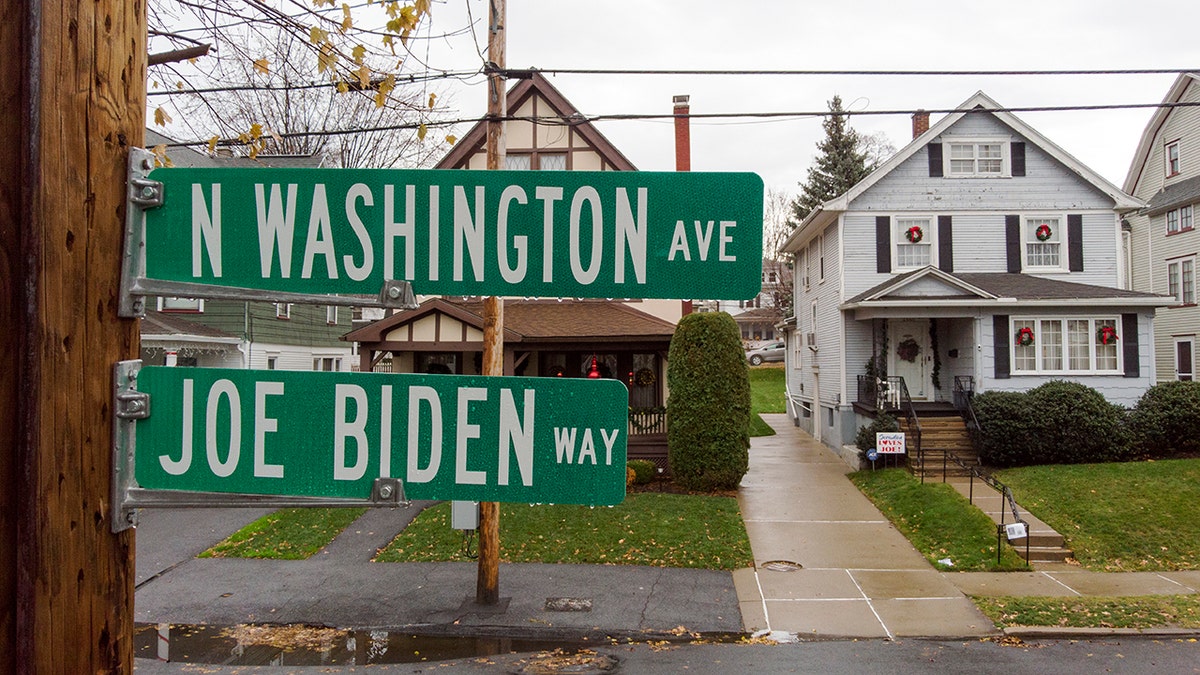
{"x": 980, "y": 257}
{"x": 1162, "y": 237}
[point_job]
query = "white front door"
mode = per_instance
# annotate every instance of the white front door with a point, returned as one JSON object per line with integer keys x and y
{"x": 909, "y": 356}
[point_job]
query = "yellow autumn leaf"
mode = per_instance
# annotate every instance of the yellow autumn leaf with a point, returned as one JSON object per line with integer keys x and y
{"x": 347, "y": 20}
{"x": 451, "y": 139}
{"x": 326, "y": 59}
{"x": 154, "y": 84}
{"x": 262, "y": 66}
{"x": 358, "y": 53}
{"x": 422, "y": 6}
{"x": 161, "y": 118}
{"x": 256, "y": 130}
{"x": 364, "y": 76}
{"x": 342, "y": 87}
{"x": 317, "y": 36}
{"x": 421, "y": 131}
{"x": 432, "y": 99}
{"x": 212, "y": 144}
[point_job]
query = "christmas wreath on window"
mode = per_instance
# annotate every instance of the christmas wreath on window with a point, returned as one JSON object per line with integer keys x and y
{"x": 908, "y": 349}
{"x": 1106, "y": 335}
{"x": 1025, "y": 337}
{"x": 645, "y": 377}
{"x": 1042, "y": 232}
{"x": 914, "y": 235}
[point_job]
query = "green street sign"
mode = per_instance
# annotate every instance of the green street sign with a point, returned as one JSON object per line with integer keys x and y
{"x": 612, "y": 234}
{"x": 318, "y": 434}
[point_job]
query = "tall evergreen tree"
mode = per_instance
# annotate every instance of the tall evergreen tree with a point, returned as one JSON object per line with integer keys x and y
{"x": 841, "y": 162}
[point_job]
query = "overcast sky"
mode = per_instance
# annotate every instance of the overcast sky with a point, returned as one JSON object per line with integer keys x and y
{"x": 845, "y": 35}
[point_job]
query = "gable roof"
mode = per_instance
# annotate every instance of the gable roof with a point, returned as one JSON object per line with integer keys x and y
{"x": 1157, "y": 120}
{"x": 979, "y": 102}
{"x": 537, "y": 320}
{"x": 537, "y": 84}
{"x": 1002, "y": 289}
{"x": 168, "y": 326}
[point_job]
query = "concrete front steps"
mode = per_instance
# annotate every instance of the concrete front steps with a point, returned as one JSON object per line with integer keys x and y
{"x": 940, "y": 434}
{"x": 1045, "y": 544}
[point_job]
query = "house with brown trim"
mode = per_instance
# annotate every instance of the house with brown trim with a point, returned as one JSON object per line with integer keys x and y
{"x": 625, "y": 339}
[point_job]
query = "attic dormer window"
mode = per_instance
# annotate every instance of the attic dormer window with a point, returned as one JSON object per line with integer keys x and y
{"x": 976, "y": 157}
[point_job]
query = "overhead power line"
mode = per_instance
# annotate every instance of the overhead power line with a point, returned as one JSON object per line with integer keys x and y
{"x": 524, "y": 73}
{"x": 574, "y": 120}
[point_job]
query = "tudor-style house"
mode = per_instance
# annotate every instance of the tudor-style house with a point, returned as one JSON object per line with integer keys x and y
{"x": 979, "y": 257}
{"x": 1163, "y": 241}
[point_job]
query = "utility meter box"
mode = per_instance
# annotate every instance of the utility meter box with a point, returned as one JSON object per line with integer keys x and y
{"x": 464, "y": 515}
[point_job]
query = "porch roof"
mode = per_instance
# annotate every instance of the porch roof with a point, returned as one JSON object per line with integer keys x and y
{"x": 168, "y": 327}
{"x": 1000, "y": 289}
{"x": 1173, "y": 196}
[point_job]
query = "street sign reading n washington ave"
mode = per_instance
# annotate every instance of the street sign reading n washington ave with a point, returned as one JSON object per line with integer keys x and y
{"x": 453, "y": 232}
{"x": 325, "y": 434}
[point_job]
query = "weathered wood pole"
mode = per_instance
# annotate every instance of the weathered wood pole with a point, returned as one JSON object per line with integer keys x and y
{"x": 73, "y": 103}
{"x": 487, "y": 586}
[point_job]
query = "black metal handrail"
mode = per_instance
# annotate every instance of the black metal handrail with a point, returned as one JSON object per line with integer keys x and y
{"x": 1005, "y": 493}
{"x": 896, "y": 384}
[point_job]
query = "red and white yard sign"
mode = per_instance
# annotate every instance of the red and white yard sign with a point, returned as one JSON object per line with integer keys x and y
{"x": 891, "y": 443}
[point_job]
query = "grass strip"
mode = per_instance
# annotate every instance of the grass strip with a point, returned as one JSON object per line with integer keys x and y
{"x": 660, "y": 530}
{"x": 767, "y": 391}
{"x": 287, "y": 534}
{"x": 1148, "y": 611}
{"x": 939, "y": 521}
{"x": 1119, "y": 516}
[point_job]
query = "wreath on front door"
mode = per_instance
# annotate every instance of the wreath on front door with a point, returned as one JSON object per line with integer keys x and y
{"x": 908, "y": 349}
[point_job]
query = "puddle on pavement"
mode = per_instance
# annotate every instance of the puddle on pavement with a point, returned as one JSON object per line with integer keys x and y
{"x": 268, "y": 645}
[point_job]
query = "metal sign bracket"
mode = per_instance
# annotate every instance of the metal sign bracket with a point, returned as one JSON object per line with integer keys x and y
{"x": 129, "y": 406}
{"x": 141, "y": 194}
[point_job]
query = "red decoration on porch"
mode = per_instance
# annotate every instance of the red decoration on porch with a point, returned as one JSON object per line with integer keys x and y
{"x": 1042, "y": 232}
{"x": 1106, "y": 334}
{"x": 593, "y": 370}
{"x": 1025, "y": 337}
{"x": 914, "y": 235}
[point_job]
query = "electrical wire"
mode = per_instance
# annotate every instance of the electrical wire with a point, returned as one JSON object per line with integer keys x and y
{"x": 976, "y": 73}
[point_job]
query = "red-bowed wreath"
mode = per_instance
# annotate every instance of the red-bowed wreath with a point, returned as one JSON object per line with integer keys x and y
{"x": 1106, "y": 334}
{"x": 1025, "y": 337}
{"x": 914, "y": 235}
{"x": 1042, "y": 232}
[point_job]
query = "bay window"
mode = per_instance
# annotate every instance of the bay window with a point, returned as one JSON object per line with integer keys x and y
{"x": 1066, "y": 345}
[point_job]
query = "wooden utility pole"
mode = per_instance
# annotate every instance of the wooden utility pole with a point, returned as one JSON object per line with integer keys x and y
{"x": 487, "y": 586}
{"x": 74, "y": 102}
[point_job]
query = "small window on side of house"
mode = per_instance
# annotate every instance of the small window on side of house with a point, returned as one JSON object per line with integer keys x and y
{"x": 976, "y": 158}
{"x": 283, "y": 310}
{"x": 1172, "y": 158}
{"x": 192, "y": 305}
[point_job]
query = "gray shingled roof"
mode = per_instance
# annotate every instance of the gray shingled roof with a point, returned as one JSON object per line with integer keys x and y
{"x": 1018, "y": 286}
{"x": 185, "y": 157}
{"x": 166, "y": 323}
{"x": 1180, "y": 194}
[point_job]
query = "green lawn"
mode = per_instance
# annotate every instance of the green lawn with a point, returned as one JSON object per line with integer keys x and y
{"x": 938, "y": 521}
{"x": 662, "y": 530}
{"x": 1153, "y": 611}
{"x": 767, "y": 387}
{"x": 1127, "y": 516}
{"x": 287, "y": 534}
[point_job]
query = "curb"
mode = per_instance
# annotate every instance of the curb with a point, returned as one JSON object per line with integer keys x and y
{"x": 1068, "y": 633}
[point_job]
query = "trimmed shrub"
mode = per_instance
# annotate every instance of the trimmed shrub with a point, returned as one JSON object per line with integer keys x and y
{"x": 1009, "y": 434}
{"x": 865, "y": 438}
{"x": 1166, "y": 420}
{"x": 708, "y": 412}
{"x": 643, "y": 470}
{"x": 1059, "y": 422}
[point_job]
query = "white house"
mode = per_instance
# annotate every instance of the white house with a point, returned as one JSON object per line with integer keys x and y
{"x": 1163, "y": 241}
{"x": 979, "y": 257}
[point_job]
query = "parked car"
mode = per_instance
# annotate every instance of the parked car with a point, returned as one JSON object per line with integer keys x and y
{"x": 769, "y": 352}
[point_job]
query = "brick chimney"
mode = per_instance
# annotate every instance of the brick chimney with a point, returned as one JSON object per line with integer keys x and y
{"x": 683, "y": 133}
{"x": 920, "y": 121}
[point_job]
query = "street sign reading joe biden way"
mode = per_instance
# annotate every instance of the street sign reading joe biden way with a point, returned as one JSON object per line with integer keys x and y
{"x": 320, "y": 434}
{"x": 611, "y": 234}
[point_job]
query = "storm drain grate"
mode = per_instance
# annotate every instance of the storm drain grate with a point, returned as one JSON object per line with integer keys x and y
{"x": 568, "y": 604}
{"x": 781, "y": 566}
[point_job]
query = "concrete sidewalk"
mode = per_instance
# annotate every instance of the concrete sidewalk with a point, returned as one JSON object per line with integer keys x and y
{"x": 827, "y": 563}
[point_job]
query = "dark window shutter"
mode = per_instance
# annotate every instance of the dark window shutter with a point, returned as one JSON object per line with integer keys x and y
{"x": 935, "y": 160}
{"x": 1000, "y": 344}
{"x": 1129, "y": 336}
{"x": 1012, "y": 235}
{"x": 1017, "y": 155}
{"x": 883, "y": 244}
{"x": 945, "y": 244}
{"x": 1075, "y": 242}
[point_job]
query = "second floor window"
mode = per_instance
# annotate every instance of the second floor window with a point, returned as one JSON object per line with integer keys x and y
{"x": 1179, "y": 220}
{"x": 1043, "y": 242}
{"x": 1181, "y": 280}
{"x": 914, "y": 242}
{"x": 976, "y": 158}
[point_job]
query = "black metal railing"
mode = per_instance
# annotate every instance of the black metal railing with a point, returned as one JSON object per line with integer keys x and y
{"x": 643, "y": 421}
{"x": 1008, "y": 502}
{"x": 964, "y": 391}
{"x": 894, "y": 394}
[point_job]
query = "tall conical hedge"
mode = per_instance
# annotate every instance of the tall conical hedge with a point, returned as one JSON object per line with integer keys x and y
{"x": 708, "y": 412}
